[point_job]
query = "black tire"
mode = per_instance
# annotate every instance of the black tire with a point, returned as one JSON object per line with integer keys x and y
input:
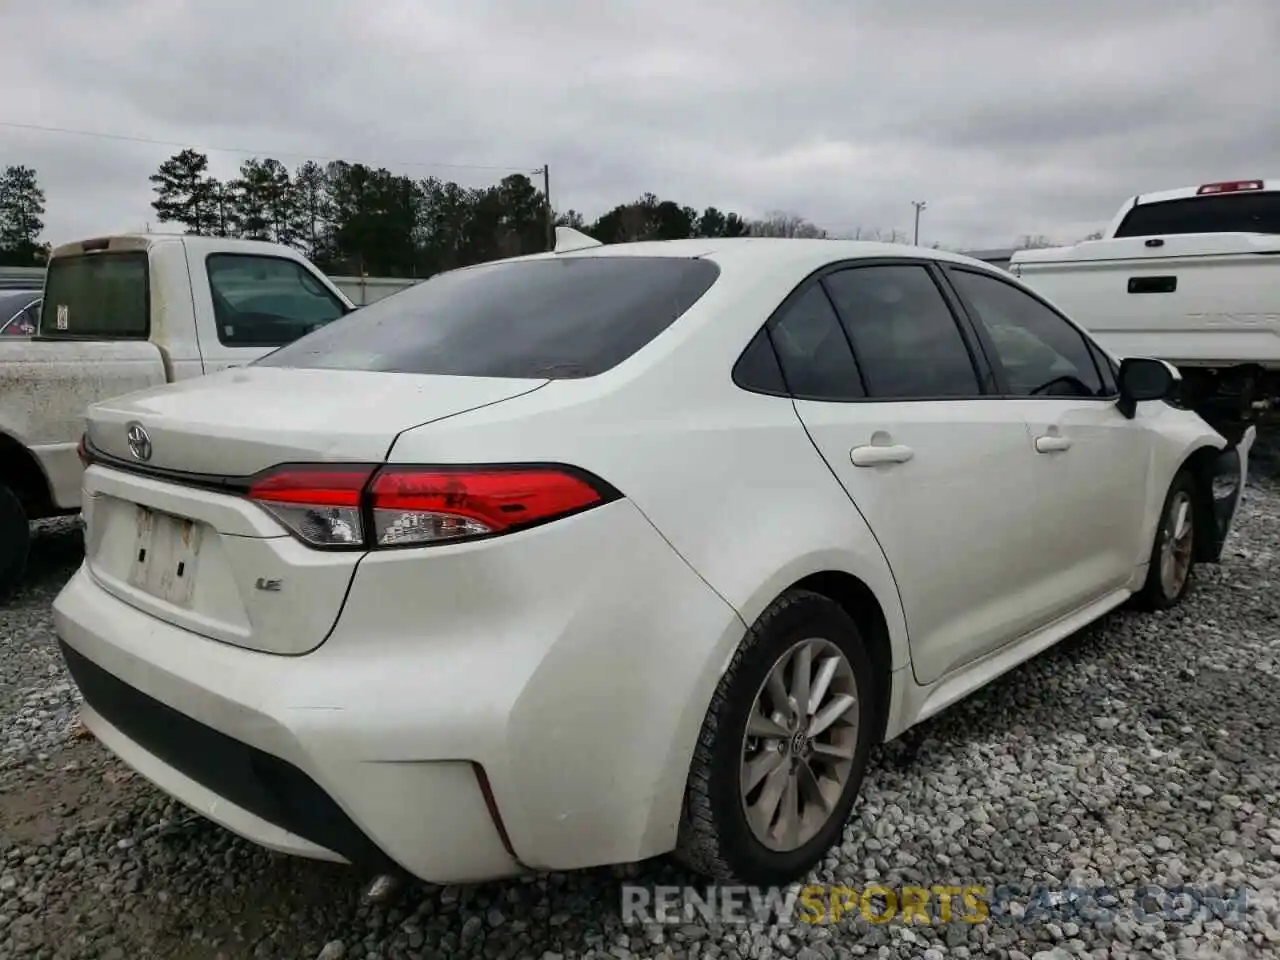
{"x": 1155, "y": 593}
{"x": 15, "y": 541}
{"x": 714, "y": 837}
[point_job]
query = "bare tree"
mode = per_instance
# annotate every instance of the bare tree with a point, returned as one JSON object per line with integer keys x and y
{"x": 874, "y": 235}
{"x": 779, "y": 224}
{"x": 1034, "y": 241}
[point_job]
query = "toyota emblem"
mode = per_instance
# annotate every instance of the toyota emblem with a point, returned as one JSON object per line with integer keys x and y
{"x": 139, "y": 441}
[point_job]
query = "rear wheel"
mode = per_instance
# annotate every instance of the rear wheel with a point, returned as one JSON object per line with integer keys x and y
{"x": 15, "y": 540}
{"x": 1169, "y": 574}
{"x": 783, "y": 748}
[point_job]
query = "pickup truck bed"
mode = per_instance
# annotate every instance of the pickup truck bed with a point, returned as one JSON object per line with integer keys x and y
{"x": 1190, "y": 276}
{"x": 44, "y": 385}
{"x": 1204, "y": 300}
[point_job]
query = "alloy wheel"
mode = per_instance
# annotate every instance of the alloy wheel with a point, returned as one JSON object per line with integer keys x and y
{"x": 1179, "y": 540}
{"x": 797, "y": 753}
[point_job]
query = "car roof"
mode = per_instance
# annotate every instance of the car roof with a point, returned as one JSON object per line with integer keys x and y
{"x": 1271, "y": 185}
{"x": 776, "y": 252}
{"x": 147, "y": 241}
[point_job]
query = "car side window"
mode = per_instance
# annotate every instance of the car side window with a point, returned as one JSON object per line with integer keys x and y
{"x": 757, "y": 369}
{"x": 814, "y": 351}
{"x": 1042, "y": 354}
{"x": 22, "y": 323}
{"x": 905, "y": 337}
{"x": 267, "y": 301}
{"x": 1107, "y": 369}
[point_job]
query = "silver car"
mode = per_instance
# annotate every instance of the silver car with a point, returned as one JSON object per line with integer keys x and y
{"x": 19, "y": 312}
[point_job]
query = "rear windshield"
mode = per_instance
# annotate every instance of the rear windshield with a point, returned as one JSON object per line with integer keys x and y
{"x": 99, "y": 296}
{"x": 560, "y": 319}
{"x": 1224, "y": 213}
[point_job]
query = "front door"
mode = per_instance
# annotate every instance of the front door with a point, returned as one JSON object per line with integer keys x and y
{"x": 1090, "y": 479}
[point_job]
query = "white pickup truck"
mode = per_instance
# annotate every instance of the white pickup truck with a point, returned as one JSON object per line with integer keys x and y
{"x": 1191, "y": 276}
{"x": 123, "y": 313}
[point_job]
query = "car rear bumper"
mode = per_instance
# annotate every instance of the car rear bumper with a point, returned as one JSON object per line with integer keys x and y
{"x": 277, "y": 779}
{"x": 529, "y": 734}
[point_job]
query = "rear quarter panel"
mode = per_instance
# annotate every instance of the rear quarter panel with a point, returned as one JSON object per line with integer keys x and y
{"x": 729, "y": 478}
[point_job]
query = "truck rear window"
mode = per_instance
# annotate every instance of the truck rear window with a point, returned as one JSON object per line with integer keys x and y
{"x": 558, "y": 319}
{"x": 1223, "y": 213}
{"x": 97, "y": 296}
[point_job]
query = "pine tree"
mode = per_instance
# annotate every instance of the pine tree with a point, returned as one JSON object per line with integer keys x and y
{"x": 21, "y": 213}
{"x": 186, "y": 194}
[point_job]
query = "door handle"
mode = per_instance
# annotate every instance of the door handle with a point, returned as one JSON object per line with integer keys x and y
{"x": 873, "y": 455}
{"x": 1051, "y": 444}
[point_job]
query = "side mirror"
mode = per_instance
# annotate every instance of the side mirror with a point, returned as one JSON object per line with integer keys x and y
{"x": 1142, "y": 378}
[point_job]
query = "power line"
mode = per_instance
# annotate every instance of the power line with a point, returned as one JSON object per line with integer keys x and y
{"x": 257, "y": 153}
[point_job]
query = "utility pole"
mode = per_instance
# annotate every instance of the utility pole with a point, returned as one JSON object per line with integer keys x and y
{"x": 919, "y": 205}
{"x": 551, "y": 217}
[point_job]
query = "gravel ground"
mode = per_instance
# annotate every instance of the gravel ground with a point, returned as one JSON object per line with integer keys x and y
{"x": 1144, "y": 750}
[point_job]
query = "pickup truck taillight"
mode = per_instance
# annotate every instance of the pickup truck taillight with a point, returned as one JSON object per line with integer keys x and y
{"x": 365, "y": 506}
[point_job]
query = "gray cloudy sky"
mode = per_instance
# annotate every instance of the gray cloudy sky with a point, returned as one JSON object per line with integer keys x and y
{"x": 1008, "y": 116}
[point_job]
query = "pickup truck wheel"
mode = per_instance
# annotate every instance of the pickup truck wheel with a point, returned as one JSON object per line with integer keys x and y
{"x": 15, "y": 540}
{"x": 783, "y": 748}
{"x": 1173, "y": 553}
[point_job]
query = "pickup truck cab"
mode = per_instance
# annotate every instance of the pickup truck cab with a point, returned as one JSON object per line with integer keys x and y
{"x": 1191, "y": 276}
{"x": 124, "y": 313}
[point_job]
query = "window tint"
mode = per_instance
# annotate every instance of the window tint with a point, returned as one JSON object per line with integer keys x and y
{"x": 1042, "y": 354}
{"x": 1225, "y": 213}
{"x": 905, "y": 336}
{"x": 814, "y": 352}
{"x": 757, "y": 369}
{"x": 267, "y": 301}
{"x": 561, "y": 318}
{"x": 99, "y": 296}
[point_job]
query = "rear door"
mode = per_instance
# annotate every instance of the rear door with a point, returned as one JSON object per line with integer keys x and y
{"x": 1091, "y": 462}
{"x": 257, "y": 303}
{"x": 892, "y": 392}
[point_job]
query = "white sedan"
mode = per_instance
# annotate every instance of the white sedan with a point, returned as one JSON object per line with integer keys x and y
{"x": 595, "y": 555}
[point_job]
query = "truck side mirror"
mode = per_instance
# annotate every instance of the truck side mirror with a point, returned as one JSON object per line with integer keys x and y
{"x": 1142, "y": 378}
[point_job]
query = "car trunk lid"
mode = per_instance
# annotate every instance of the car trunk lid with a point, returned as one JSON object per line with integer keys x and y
{"x": 169, "y": 530}
{"x": 241, "y": 421}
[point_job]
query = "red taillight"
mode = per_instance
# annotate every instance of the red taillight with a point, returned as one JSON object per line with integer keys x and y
{"x": 321, "y": 505}
{"x": 327, "y": 506}
{"x": 427, "y": 505}
{"x": 1229, "y": 186}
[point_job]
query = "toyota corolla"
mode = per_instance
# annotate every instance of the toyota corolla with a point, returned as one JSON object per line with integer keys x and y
{"x": 617, "y": 551}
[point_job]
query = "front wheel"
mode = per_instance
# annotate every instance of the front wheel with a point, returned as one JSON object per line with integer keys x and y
{"x": 1169, "y": 573}
{"x": 15, "y": 539}
{"x": 783, "y": 748}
